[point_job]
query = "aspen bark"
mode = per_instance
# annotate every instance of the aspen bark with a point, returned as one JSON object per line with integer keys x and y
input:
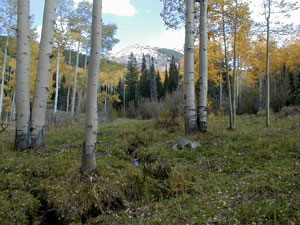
{"x": 41, "y": 90}
{"x": 3, "y": 74}
{"x": 68, "y": 99}
{"x": 69, "y": 88}
{"x": 260, "y": 90}
{"x": 268, "y": 66}
{"x": 227, "y": 71}
{"x": 57, "y": 80}
{"x": 82, "y": 88}
{"x": 234, "y": 86}
{"x": 22, "y": 138}
{"x": 91, "y": 128}
{"x": 189, "y": 73}
{"x": 75, "y": 83}
{"x": 220, "y": 87}
{"x": 203, "y": 69}
{"x": 13, "y": 108}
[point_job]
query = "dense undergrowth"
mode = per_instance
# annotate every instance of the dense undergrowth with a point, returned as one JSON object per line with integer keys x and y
{"x": 247, "y": 176}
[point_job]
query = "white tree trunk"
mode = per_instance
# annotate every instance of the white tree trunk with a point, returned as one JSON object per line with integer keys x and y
{"x": 91, "y": 128}
{"x": 69, "y": 88}
{"x": 68, "y": 99}
{"x": 268, "y": 66}
{"x": 189, "y": 74}
{"x": 41, "y": 90}
{"x": 22, "y": 138}
{"x": 260, "y": 90}
{"x": 221, "y": 87}
{"x": 75, "y": 83}
{"x": 13, "y": 108}
{"x": 234, "y": 82}
{"x": 82, "y": 86}
{"x": 57, "y": 80}
{"x": 3, "y": 74}
{"x": 203, "y": 69}
{"x": 227, "y": 71}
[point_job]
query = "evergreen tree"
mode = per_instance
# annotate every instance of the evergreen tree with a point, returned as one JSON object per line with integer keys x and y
{"x": 144, "y": 80}
{"x": 166, "y": 82}
{"x": 120, "y": 91}
{"x": 174, "y": 76}
{"x": 159, "y": 85}
{"x": 153, "y": 81}
{"x": 131, "y": 79}
{"x": 63, "y": 92}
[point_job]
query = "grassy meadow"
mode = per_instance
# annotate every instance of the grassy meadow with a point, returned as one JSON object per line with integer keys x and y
{"x": 247, "y": 176}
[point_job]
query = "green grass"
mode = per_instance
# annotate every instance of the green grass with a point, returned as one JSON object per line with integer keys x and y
{"x": 247, "y": 176}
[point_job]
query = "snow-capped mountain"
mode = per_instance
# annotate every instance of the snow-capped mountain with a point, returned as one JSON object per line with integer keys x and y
{"x": 162, "y": 56}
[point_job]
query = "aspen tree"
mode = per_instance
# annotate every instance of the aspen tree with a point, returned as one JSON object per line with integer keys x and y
{"x": 227, "y": 69}
{"x": 91, "y": 128}
{"x": 63, "y": 10}
{"x": 22, "y": 138}
{"x": 203, "y": 70}
{"x": 10, "y": 13}
{"x": 40, "y": 97}
{"x": 75, "y": 82}
{"x": 189, "y": 85}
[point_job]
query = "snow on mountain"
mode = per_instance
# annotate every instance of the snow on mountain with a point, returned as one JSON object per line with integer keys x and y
{"x": 162, "y": 56}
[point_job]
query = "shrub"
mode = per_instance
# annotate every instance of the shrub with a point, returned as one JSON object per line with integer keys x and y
{"x": 150, "y": 110}
{"x": 249, "y": 101}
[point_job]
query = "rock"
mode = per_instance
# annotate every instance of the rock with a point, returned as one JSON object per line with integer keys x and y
{"x": 186, "y": 144}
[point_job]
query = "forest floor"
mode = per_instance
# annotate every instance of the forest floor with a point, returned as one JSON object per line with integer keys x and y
{"x": 247, "y": 176}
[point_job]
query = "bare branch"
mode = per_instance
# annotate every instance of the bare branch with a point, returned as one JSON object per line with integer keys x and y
{"x": 3, "y": 127}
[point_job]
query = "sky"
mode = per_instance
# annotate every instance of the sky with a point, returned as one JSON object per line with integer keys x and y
{"x": 139, "y": 22}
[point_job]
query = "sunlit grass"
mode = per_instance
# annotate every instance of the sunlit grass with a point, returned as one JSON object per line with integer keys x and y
{"x": 247, "y": 176}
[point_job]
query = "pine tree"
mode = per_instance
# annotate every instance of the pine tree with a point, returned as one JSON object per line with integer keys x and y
{"x": 152, "y": 75}
{"x": 131, "y": 79}
{"x": 144, "y": 80}
{"x": 159, "y": 85}
{"x": 174, "y": 76}
{"x": 166, "y": 83}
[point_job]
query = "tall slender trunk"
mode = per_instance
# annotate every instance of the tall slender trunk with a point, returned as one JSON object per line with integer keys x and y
{"x": 237, "y": 81}
{"x": 69, "y": 88}
{"x": 82, "y": 86}
{"x": 124, "y": 95}
{"x": 3, "y": 74}
{"x": 68, "y": 99}
{"x": 57, "y": 80}
{"x": 246, "y": 77}
{"x": 268, "y": 67}
{"x": 260, "y": 90}
{"x": 13, "y": 108}
{"x": 91, "y": 129}
{"x": 203, "y": 69}
{"x": 234, "y": 86}
{"x": 22, "y": 138}
{"x": 75, "y": 82}
{"x": 41, "y": 90}
{"x": 221, "y": 86}
{"x": 241, "y": 85}
{"x": 189, "y": 74}
{"x": 227, "y": 71}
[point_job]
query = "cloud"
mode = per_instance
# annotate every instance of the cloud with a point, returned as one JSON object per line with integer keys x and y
{"x": 116, "y": 7}
{"x": 39, "y": 32}
{"x": 173, "y": 39}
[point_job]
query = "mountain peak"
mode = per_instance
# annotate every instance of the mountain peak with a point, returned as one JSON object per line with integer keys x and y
{"x": 162, "y": 56}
